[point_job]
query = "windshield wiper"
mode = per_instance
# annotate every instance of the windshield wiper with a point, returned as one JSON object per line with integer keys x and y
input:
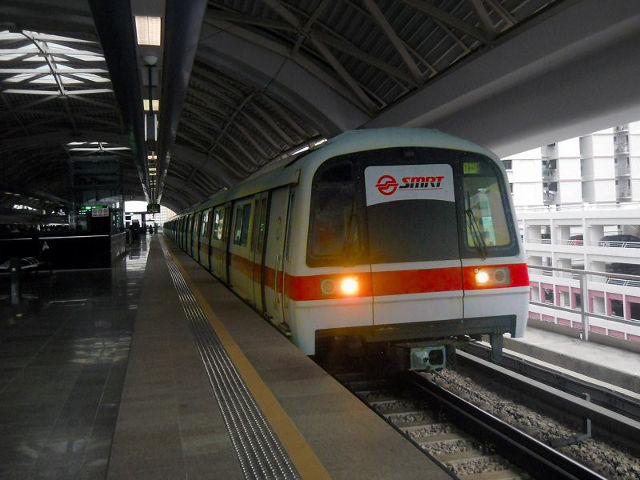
{"x": 478, "y": 239}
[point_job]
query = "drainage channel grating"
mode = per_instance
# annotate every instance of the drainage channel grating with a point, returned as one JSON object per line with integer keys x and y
{"x": 259, "y": 451}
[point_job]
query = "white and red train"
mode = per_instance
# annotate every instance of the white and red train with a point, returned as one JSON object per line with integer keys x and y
{"x": 387, "y": 237}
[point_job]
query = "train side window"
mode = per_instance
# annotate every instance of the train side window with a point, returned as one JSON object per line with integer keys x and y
{"x": 203, "y": 224}
{"x": 218, "y": 223}
{"x": 241, "y": 229}
{"x": 292, "y": 197}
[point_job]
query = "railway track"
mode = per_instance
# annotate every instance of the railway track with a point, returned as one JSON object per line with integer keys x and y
{"x": 466, "y": 441}
{"x": 608, "y": 398}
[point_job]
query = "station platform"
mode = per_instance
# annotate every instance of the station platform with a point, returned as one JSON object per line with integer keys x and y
{"x": 153, "y": 369}
{"x": 258, "y": 409}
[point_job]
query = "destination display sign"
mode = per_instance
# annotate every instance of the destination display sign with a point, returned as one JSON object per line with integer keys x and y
{"x": 409, "y": 182}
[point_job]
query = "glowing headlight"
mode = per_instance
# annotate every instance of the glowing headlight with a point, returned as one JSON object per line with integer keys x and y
{"x": 349, "y": 286}
{"x": 492, "y": 277}
{"x": 482, "y": 277}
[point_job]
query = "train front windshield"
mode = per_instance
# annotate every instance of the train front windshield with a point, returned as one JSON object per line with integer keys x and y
{"x": 408, "y": 205}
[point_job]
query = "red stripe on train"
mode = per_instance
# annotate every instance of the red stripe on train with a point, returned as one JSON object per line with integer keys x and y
{"x": 396, "y": 282}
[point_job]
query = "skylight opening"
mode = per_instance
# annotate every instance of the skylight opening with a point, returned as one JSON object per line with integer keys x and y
{"x": 51, "y": 60}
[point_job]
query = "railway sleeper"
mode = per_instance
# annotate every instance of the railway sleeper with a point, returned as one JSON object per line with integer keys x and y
{"x": 410, "y": 418}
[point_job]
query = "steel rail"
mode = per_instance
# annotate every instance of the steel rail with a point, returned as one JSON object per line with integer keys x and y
{"x": 600, "y": 395}
{"x": 520, "y": 448}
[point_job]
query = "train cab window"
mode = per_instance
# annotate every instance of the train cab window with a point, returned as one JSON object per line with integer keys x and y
{"x": 218, "y": 223}
{"x": 333, "y": 231}
{"x": 486, "y": 227}
{"x": 411, "y": 210}
{"x": 241, "y": 229}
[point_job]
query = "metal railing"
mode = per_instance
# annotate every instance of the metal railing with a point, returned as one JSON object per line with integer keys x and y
{"x": 580, "y": 243}
{"x": 618, "y": 244}
{"x": 583, "y": 310}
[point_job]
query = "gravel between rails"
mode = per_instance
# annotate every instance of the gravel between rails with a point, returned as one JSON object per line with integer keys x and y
{"x": 607, "y": 459}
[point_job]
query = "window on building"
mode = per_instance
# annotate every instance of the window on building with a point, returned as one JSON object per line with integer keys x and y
{"x": 508, "y": 165}
{"x": 535, "y": 294}
{"x": 634, "y": 310}
{"x": 578, "y": 299}
{"x": 616, "y": 308}
{"x": 548, "y": 295}
{"x": 598, "y": 305}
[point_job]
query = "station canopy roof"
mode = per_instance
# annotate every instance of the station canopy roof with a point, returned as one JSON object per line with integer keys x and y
{"x": 241, "y": 83}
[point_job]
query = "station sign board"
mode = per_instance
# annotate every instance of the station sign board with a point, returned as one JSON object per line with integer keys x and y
{"x": 87, "y": 209}
{"x": 153, "y": 208}
{"x": 100, "y": 212}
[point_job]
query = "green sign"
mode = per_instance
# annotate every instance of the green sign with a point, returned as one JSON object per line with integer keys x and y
{"x": 153, "y": 208}
{"x": 471, "y": 168}
{"x": 85, "y": 208}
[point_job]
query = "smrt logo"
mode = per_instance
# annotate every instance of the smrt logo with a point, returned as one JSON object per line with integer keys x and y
{"x": 387, "y": 185}
{"x": 422, "y": 183}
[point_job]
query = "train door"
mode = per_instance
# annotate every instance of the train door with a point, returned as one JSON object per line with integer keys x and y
{"x": 192, "y": 221}
{"x": 219, "y": 238}
{"x": 183, "y": 233}
{"x": 260, "y": 203}
{"x": 187, "y": 235}
{"x": 241, "y": 260}
{"x": 206, "y": 239}
{"x": 196, "y": 237}
{"x": 195, "y": 222}
{"x": 203, "y": 243}
{"x": 413, "y": 237}
{"x": 279, "y": 208}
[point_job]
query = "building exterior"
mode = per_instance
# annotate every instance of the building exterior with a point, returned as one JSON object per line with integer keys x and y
{"x": 578, "y": 205}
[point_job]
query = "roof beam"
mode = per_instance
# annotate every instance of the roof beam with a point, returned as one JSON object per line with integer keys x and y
{"x": 346, "y": 77}
{"x": 395, "y": 40}
{"x": 312, "y": 92}
{"x": 290, "y": 18}
{"x": 503, "y": 12}
{"x": 114, "y": 24}
{"x": 447, "y": 19}
{"x": 260, "y": 129}
{"x": 363, "y": 56}
{"x": 483, "y": 15}
{"x": 268, "y": 119}
{"x": 183, "y": 22}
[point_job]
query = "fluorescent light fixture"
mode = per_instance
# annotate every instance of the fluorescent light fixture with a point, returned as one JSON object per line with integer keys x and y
{"x": 148, "y": 30}
{"x": 154, "y": 103}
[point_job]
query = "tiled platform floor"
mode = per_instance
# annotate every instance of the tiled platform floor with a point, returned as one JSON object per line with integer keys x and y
{"x": 63, "y": 358}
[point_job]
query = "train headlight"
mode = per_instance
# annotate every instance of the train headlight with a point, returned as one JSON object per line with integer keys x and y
{"x": 493, "y": 277}
{"x": 482, "y": 277}
{"x": 349, "y": 286}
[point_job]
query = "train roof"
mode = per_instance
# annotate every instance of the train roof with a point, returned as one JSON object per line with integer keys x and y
{"x": 345, "y": 143}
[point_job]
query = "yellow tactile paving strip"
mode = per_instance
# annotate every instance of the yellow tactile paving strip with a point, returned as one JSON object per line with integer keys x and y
{"x": 299, "y": 451}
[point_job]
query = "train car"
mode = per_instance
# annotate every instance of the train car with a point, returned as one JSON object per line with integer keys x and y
{"x": 401, "y": 241}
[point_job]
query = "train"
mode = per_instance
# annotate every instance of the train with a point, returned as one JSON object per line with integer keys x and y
{"x": 399, "y": 241}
